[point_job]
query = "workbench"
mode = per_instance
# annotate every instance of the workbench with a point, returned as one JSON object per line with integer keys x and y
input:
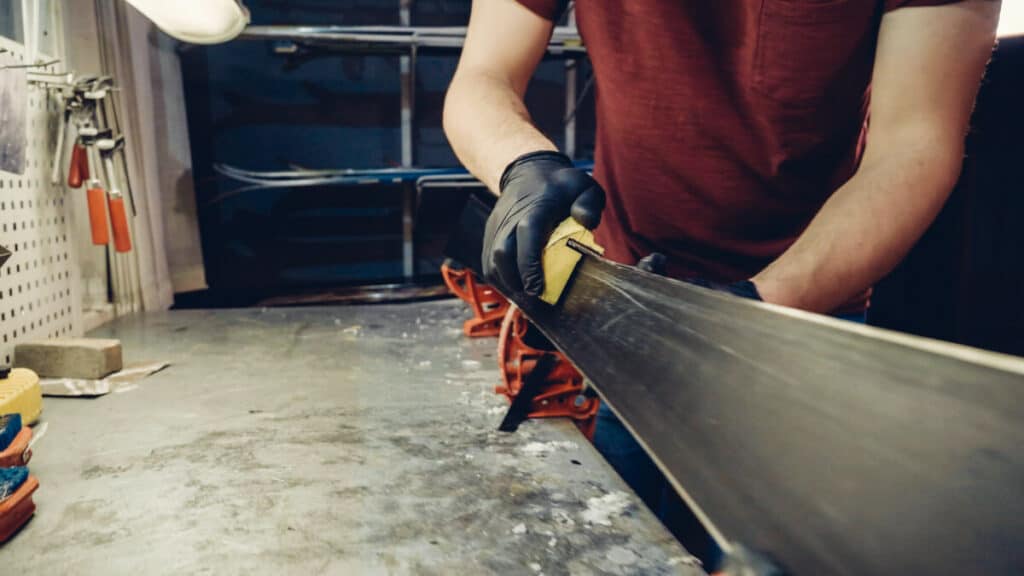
{"x": 344, "y": 440}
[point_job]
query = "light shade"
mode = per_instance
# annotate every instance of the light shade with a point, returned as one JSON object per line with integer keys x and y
{"x": 1011, "y": 19}
{"x": 196, "y": 21}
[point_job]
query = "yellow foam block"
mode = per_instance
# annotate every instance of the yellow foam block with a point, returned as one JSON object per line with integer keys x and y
{"x": 20, "y": 392}
{"x": 559, "y": 260}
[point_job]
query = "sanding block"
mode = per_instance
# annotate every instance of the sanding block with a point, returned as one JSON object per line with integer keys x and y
{"x": 559, "y": 260}
{"x": 20, "y": 393}
{"x": 86, "y": 358}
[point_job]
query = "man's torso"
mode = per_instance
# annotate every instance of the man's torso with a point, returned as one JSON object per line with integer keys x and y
{"x": 723, "y": 126}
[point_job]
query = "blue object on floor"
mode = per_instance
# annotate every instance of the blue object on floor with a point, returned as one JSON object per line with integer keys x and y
{"x": 10, "y": 425}
{"x": 11, "y": 479}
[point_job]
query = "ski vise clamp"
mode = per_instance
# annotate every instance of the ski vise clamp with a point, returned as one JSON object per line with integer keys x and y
{"x": 489, "y": 307}
{"x": 538, "y": 380}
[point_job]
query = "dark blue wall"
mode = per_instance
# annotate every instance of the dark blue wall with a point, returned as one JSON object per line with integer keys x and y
{"x": 252, "y": 108}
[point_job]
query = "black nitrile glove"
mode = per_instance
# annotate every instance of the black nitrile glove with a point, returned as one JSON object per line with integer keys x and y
{"x": 538, "y": 191}
{"x": 743, "y": 288}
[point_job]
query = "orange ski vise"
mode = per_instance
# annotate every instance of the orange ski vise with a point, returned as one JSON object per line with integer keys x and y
{"x": 539, "y": 381}
{"x": 488, "y": 305}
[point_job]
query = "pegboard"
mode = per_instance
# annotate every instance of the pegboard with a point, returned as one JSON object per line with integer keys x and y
{"x": 39, "y": 284}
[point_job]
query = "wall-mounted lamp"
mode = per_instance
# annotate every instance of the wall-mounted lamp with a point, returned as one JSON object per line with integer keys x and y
{"x": 196, "y": 21}
{"x": 1011, "y": 19}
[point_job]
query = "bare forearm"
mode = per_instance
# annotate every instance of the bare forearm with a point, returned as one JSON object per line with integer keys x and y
{"x": 488, "y": 125}
{"x": 928, "y": 66}
{"x": 863, "y": 231}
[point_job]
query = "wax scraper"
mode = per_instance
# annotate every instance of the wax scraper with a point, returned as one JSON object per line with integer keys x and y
{"x": 559, "y": 260}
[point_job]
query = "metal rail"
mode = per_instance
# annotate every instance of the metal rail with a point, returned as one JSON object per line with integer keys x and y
{"x": 565, "y": 40}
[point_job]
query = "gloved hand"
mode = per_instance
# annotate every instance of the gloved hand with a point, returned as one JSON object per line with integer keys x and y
{"x": 538, "y": 191}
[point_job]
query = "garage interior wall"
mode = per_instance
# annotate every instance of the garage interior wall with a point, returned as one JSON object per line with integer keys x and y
{"x": 112, "y": 38}
{"x": 40, "y": 290}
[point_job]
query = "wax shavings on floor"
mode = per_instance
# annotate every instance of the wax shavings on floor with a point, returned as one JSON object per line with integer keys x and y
{"x": 38, "y": 433}
{"x": 495, "y": 410}
{"x": 471, "y": 364}
{"x": 562, "y": 518}
{"x": 351, "y": 331}
{"x": 621, "y": 556}
{"x": 535, "y": 567}
{"x": 519, "y": 529}
{"x": 602, "y": 509}
{"x": 119, "y": 382}
{"x": 544, "y": 448}
{"x": 685, "y": 561}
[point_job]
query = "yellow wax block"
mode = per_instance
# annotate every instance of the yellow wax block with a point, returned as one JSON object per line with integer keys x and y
{"x": 559, "y": 260}
{"x": 20, "y": 392}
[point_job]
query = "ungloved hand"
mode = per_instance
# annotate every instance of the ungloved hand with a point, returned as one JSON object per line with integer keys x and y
{"x": 538, "y": 191}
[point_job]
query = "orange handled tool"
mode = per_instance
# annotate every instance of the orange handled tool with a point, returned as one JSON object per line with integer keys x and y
{"x": 118, "y": 213}
{"x": 78, "y": 170}
{"x": 98, "y": 214}
{"x": 119, "y": 223}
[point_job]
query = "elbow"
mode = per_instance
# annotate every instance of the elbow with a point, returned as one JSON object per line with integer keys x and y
{"x": 450, "y": 111}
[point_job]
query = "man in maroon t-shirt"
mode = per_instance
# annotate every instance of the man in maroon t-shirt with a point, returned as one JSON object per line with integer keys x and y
{"x": 729, "y": 135}
{"x": 731, "y": 138}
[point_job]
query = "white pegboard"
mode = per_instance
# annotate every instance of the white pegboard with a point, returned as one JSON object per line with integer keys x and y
{"x": 39, "y": 285}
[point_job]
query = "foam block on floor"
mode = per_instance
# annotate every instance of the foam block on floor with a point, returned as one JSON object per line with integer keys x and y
{"x": 89, "y": 358}
{"x": 20, "y": 393}
{"x": 16, "y": 505}
{"x": 10, "y": 425}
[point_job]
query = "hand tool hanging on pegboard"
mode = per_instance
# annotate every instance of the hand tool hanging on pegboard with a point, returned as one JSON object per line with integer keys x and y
{"x": 107, "y": 145}
{"x": 60, "y": 87}
{"x": 96, "y": 196}
{"x": 120, "y": 202}
{"x": 78, "y": 168}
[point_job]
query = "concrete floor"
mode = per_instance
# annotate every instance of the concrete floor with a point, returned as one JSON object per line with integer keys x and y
{"x": 346, "y": 440}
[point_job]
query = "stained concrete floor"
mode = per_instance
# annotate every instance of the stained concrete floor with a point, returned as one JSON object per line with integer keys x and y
{"x": 345, "y": 440}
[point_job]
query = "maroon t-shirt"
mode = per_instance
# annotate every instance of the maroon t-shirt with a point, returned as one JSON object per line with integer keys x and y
{"x": 724, "y": 125}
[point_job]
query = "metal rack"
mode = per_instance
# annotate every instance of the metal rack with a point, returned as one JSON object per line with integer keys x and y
{"x": 407, "y": 42}
{"x": 565, "y": 40}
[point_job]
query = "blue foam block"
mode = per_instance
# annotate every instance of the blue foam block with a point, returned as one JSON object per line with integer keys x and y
{"x": 10, "y": 425}
{"x": 11, "y": 479}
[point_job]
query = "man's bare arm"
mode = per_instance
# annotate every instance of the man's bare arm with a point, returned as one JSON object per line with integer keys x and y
{"x": 929, "y": 63}
{"x": 485, "y": 119}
